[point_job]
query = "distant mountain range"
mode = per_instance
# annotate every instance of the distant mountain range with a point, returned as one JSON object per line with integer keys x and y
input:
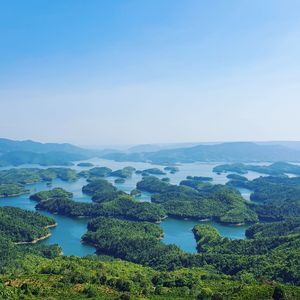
{"x": 16, "y": 153}
{"x": 30, "y": 152}
{"x": 226, "y": 152}
{"x": 7, "y": 145}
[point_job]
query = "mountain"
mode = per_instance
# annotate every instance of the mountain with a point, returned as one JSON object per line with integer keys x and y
{"x": 144, "y": 148}
{"x": 17, "y": 158}
{"x": 158, "y": 147}
{"x": 231, "y": 152}
{"x": 289, "y": 144}
{"x": 7, "y": 145}
{"x": 30, "y": 152}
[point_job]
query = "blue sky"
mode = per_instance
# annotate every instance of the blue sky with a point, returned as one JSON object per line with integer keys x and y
{"x": 127, "y": 72}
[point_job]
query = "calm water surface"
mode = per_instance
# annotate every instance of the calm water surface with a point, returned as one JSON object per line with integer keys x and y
{"x": 69, "y": 230}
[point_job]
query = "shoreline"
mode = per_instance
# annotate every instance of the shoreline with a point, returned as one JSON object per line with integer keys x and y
{"x": 40, "y": 238}
{"x": 35, "y": 240}
{"x": 14, "y": 195}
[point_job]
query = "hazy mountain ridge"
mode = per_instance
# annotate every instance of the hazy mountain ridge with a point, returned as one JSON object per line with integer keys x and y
{"x": 16, "y": 153}
{"x": 7, "y": 145}
{"x": 17, "y": 158}
{"x": 29, "y": 152}
{"x": 231, "y": 152}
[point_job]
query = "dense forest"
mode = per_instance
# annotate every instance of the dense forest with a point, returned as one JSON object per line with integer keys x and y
{"x": 11, "y": 190}
{"x": 278, "y": 168}
{"x": 275, "y": 198}
{"x": 32, "y": 175}
{"x": 198, "y": 199}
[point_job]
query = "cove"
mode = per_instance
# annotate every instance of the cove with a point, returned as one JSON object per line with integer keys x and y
{"x": 67, "y": 234}
{"x": 179, "y": 232}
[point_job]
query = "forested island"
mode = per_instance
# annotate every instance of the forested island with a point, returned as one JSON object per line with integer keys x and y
{"x": 197, "y": 199}
{"x": 275, "y": 169}
{"x": 12, "y": 190}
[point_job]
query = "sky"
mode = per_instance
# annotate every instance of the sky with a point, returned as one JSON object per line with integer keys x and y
{"x": 103, "y": 72}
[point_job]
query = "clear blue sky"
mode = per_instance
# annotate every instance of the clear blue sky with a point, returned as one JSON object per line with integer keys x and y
{"x": 131, "y": 71}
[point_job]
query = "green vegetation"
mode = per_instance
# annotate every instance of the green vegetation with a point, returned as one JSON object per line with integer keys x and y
{"x": 88, "y": 278}
{"x": 123, "y": 207}
{"x": 283, "y": 228}
{"x": 123, "y": 173}
{"x": 85, "y": 164}
{"x": 230, "y": 152}
{"x": 102, "y": 191}
{"x": 165, "y": 179}
{"x": 206, "y": 237}
{"x": 199, "y": 201}
{"x": 199, "y": 178}
{"x": 264, "y": 266}
{"x": 197, "y": 181}
{"x": 135, "y": 193}
{"x": 95, "y": 173}
{"x": 153, "y": 171}
{"x": 33, "y": 175}
{"x": 56, "y": 193}
{"x": 17, "y": 158}
{"x": 271, "y": 252}
{"x": 119, "y": 180}
{"x": 276, "y": 198}
{"x": 236, "y": 177}
{"x": 236, "y": 168}
{"x": 22, "y": 226}
{"x": 152, "y": 184}
{"x": 133, "y": 241}
{"x": 171, "y": 169}
{"x": 12, "y": 189}
{"x": 275, "y": 169}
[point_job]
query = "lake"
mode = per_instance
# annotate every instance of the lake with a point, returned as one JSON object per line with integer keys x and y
{"x": 69, "y": 230}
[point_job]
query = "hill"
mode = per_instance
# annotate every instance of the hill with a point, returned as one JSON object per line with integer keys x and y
{"x": 15, "y": 153}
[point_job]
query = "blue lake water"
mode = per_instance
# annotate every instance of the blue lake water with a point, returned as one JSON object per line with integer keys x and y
{"x": 69, "y": 231}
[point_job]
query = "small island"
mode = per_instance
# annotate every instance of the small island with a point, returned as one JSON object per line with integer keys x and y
{"x": 199, "y": 200}
{"x": 153, "y": 171}
{"x": 85, "y": 164}
{"x": 172, "y": 169}
{"x": 165, "y": 179}
{"x": 123, "y": 173}
{"x": 12, "y": 190}
{"x": 136, "y": 193}
{"x": 119, "y": 180}
{"x": 24, "y": 227}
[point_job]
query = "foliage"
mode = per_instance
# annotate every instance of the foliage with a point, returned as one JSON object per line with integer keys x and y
{"x": 56, "y": 193}
{"x": 194, "y": 199}
{"x": 16, "y": 158}
{"x": 154, "y": 171}
{"x": 83, "y": 278}
{"x": 85, "y": 164}
{"x": 23, "y": 226}
{"x": 101, "y": 191}
{"x": 123, "y": 173}
{"x": 122, "y": 207}
{"x": 171, "y": 169}
{"x": 12, "y": 189}
{"x": 33, "y": 175}
{"x": 275, "y": 169}
{"x": 276, "y": 198}
{"x": 273, "y": 257}
{"x": 230, "y": 152}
